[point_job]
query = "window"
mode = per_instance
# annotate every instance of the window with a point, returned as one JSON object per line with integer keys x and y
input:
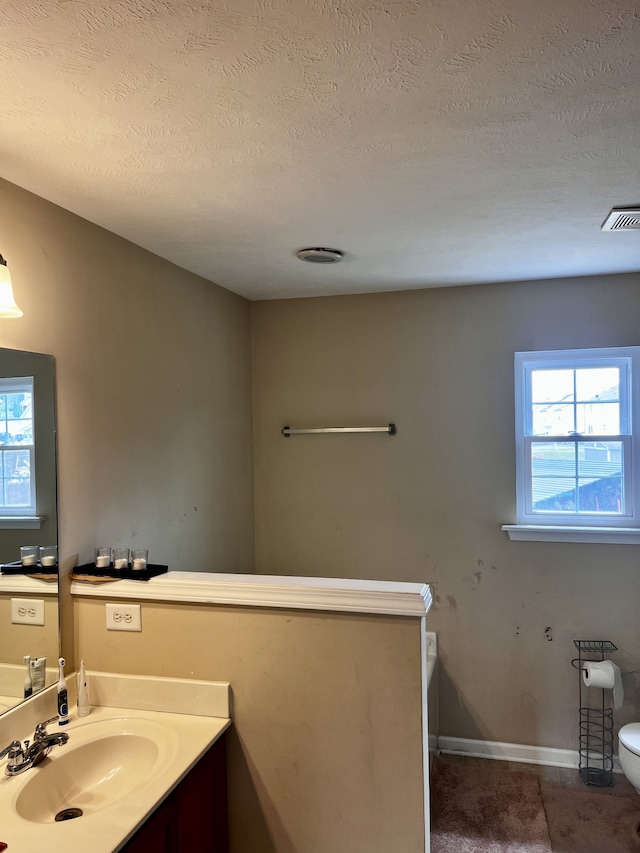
{"x": 576, "y": 453}
{"x": 17, "y": 478}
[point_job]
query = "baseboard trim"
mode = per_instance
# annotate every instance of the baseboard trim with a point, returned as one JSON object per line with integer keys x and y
{"x": 513, "y": 752}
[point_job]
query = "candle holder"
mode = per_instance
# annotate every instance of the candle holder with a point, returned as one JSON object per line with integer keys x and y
{"x": 121, "y": 558}
{"x": 139, "y": 559}
{"x": 29, "y": 555}
{"x": 103, "y": 558}
{"x": 48, "y": 555}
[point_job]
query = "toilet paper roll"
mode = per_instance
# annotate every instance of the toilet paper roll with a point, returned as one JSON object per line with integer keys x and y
{"x": 605, "y": 674}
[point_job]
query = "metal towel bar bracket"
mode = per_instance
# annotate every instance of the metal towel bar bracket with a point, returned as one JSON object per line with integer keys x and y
{"x": 390, "y": 429}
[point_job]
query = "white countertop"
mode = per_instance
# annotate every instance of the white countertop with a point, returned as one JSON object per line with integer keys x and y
{"x": 107, "y": 830}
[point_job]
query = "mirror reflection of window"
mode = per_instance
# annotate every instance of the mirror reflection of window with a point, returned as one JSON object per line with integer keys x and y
{"x": 27, "y": 476}
{"x": 17, "y": 466}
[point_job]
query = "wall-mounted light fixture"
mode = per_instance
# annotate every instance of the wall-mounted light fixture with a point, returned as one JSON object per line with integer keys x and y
{"x": 8, "y": 307}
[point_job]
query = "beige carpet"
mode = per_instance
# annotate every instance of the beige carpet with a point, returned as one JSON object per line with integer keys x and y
{"x": 478, "y": 811}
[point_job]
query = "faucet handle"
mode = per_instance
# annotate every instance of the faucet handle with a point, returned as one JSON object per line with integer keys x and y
{"x": 41, "y": 728}
{"x": 13, "y": 750}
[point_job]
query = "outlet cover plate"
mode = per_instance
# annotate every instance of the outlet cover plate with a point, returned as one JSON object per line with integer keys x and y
{"x": 123, "y": 617}
{"x": 27, "y": 611}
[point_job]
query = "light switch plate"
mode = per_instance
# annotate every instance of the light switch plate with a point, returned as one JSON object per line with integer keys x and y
{"x": 27, "y": 611}
{"x": 123, "y": 617}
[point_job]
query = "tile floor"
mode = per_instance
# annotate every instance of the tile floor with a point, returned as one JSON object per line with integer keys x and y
{"x": 550, "y": 777}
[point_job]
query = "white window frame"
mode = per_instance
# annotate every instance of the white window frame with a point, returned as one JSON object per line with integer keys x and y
{"x": 575, "y": 526}
{"x": 12, "y": 386}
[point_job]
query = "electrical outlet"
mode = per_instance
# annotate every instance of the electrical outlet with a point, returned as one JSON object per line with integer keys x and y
{"x": 27, "y": 611}
{"x": 123, "y": 617}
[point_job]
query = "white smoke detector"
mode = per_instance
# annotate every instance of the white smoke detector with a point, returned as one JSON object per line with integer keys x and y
{"x": 320, "y": 256}
{"x": 622, "y": 219}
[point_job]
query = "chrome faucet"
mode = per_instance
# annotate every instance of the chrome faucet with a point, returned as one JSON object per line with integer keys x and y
{"x": 21, "y": 758}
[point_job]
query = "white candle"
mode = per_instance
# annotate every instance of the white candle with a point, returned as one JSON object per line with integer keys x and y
{"x": 120, "y": 563}
{"x": 102, "y": 562}
{"x": 29, "y": 560}
{"x": 48, "y": 561}
{"x": 139, "y": 564}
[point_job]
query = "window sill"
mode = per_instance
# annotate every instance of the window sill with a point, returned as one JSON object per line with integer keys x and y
{"x": 21, "y": 522}
{"x": 561, "y": 533}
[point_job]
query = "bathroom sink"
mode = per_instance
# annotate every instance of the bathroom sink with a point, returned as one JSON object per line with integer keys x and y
{"x": 101, "y": 763}
{"x": 142, "y": 737}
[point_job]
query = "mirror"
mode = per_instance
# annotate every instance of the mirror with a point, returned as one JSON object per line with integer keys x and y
{"x": 28, "y": 516}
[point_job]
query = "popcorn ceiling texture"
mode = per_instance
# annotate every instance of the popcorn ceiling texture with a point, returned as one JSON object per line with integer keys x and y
{"x": 437, "y": 142}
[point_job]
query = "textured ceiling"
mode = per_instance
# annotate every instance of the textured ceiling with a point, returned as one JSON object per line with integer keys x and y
{"x": 436, "y": 142}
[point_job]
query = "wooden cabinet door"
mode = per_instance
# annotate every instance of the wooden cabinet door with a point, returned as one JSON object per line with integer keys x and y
{"x": 201, "y": 800}
{"x": 158, "y": 834}
{"x": 193, "y": 819}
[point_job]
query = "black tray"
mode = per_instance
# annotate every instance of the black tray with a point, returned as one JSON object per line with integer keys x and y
{"x": 151, "y": 571}
{"x": 16, "y": 568}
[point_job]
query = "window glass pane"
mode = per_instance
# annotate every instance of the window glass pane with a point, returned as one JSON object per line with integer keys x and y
{"x": 19, "y": 405}
{"x": 18, "y": 493}
{"x": 9, "y": 458}
{"x": 16, "y": 419}
{"x": 553, "y": 476}
{"x": 600, "y": 470}
{"x": 602, "y": 495}
{"x": 598, "y": 383}
{"x": 600, "y": 458}
{"x": 598, "y": 418}
{"x": 553, "y": 494}
{"x": 553, "y": 458}
{"x": 594, "y": 410}
{"x": 19, "y": 431}
{"x": 17, "y": 463}
{"x": 552, "y": 386}
{"x": 552, "y": 419}
{"x": 582, "y": 477}
{"x": 16, "y": 467}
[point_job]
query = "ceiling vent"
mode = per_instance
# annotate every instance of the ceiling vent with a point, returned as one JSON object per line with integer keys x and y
{"x": 622, "y": 219}
{"x": 320, "y": 256}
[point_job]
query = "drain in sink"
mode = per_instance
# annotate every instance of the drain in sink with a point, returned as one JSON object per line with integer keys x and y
{"x": 68, "y": 814}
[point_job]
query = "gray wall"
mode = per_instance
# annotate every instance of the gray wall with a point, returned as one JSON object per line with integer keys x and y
{"x": 153, "y": 382}
{"x": 428, "y": 503}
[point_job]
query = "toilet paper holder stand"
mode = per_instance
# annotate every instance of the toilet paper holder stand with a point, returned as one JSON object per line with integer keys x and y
{"x": 595, "y": 723}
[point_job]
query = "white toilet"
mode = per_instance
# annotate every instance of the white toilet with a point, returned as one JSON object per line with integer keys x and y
{"x": 629, "y": 753}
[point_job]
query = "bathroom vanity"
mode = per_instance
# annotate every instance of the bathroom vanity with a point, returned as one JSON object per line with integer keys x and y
{"x": 146, "y": 770}
{"x": 194, "y": 815}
